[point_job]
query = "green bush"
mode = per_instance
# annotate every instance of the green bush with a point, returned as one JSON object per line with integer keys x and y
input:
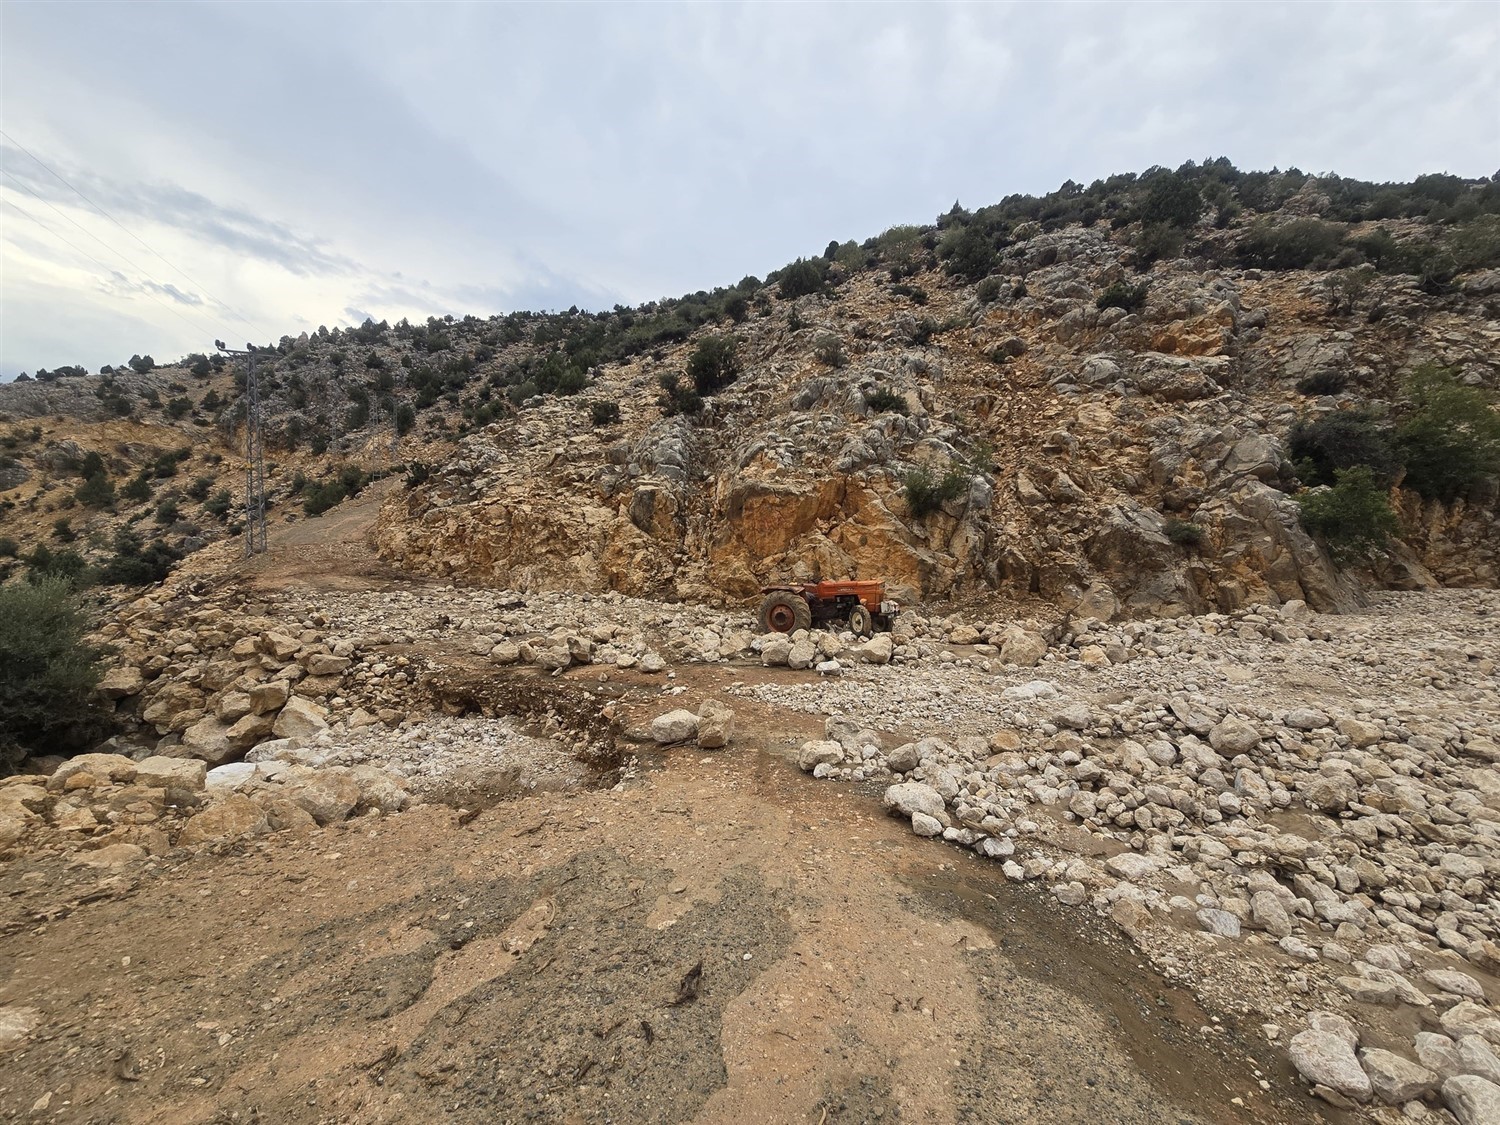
{"x": 67, "y": 565}
{"x": 676, "y": 397}
{"x": 1157, "y": 242}
{"x": 714, "y": 364}
{"x": 801, "y": 278}
{"x": 178, "y": 407}
{"x": 406, "y": 418}
{"x": 219, "y": 503}
{"x": 1343, "y": 439}
{"x": 96, "y": 492}
{"x": 828, "y": 349}
{"x": 1298, "y": 245}
{"x": 918, "y": 296}
{"x": 1184, "y": 534}
{"x": 199, "y": 489}
{"x": 884, "y": 400}
{"x": 1171, "y": 199}
{"x": 62, "y": 530}
{"x": 1323, "y": 383}
{"x": 603, "y": 412}
{"x": 1122, "y": 295}
{"x": 167, "y": 511}
{"x": 987, "y": 291}
{"x": 138, "y": 489}
{"x": 47, "y": 672}
{"x": 1353, "y": 518}
{"x": 925, "y": 493}
{"x": 1450, "y": 438}
{"x": 418, "y": 473}
{"x": 136, "y": 563}
{"x": 968, "y": 252}
{"x": 9, "y": 548}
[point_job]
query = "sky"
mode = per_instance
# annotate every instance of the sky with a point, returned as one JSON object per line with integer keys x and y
{"x": 179, "y": 173}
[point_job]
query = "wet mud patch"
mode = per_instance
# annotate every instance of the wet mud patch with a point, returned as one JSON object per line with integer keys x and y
{"x": 1136, "y": 1048}
{"x": 545, "y": 999}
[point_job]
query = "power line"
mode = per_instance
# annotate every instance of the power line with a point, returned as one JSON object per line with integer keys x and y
{"x": 197, "y": 328}
{"x": 132, "y": 264}
{"x": 180, "y": 272}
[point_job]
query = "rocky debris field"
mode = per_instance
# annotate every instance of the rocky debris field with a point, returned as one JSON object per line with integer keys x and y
{"x": 1290, "y": 812}
{"x": 1296, "y": 816}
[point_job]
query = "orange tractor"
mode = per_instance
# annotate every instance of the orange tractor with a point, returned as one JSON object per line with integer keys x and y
{"x": 862, "y": 606}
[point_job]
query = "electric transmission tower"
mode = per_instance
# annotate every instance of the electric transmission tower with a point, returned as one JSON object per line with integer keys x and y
{"x": 255, "y": 456}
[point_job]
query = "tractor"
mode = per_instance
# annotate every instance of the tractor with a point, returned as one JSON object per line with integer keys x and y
{"x": 862, "y": 606}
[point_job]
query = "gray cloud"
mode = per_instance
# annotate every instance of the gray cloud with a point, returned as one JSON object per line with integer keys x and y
{"x": 478, "y": 158}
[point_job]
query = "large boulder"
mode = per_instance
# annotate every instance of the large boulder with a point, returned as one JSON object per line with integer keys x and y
{"x": 171, "y": 773}
{"x": 715, "y": 725}
{"x": 300, "y": 718}
{"x": 823, "y": 752}
{"x": 1327, "y": 1059}
{"x": 231, "y": 818}
{"x": 328, "y": 795}
{"x": 674, "y": 726}
{"x": 911, "y": 797}
{"x": 1022, "y": 647}
{"x": 268, "y": 697}
{"x": 103, "y": 767}
{"x": 1473, "y": 1100}
{"x": 208, "y": 740}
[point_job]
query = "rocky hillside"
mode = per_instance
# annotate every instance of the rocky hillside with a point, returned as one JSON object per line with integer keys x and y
{"x": 1092, "y": 395}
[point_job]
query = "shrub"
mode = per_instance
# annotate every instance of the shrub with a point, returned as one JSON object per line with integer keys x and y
{"x": 62, "y": 530}
{"x": 138, "y": 489}
{"x": 1172, "y": 200}
{"x": 1298, "y": 245}
{"x": 199, "y": 489}
{"x": 96, "y": 492}
{"x": 1184, "y": 534}
{"x": 1157, "y": 242}
{"x": 135, "y": 563}
{"x": 828, "y": 349}
{"x": 925, "y": 493}
{"x": 676, "y": 398}
{"x": 988, "y": 291}
{"x": 47, "y": 673}
{"x": 9, "y": 548}
{"x": 1353, "y": 517}
{"x": 219, "y": 503}
{"x": 67, "y": 565}
{"x": 714, "y": 364}
{"x": 406, "y": 418}
{"x": 418, "y": 473}
{"x": 318, "y": 498}
{"x": 1323, "y": 383}
{"x": 737, "y": 307}
{"x": 801, "y": 278}
{"x": 1450, "y": 438}
{"x": 178, "y": 407}
{"x": 968, "y": 252}
{"x": 884, "y": 400}
{"x": 167, "y": 512}
{"x": 141, "y": 364}
{"x": 602, "y": 412}
{"x": 1122, "y": 295}
{"x": 1343, "y": 439}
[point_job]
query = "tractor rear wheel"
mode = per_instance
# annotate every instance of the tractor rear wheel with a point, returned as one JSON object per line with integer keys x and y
{"x": 782, "y": 612}
{"x": 860, "y": 621}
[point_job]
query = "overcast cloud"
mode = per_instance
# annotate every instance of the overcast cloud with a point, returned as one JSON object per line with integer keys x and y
{"x": 309, "y": 164}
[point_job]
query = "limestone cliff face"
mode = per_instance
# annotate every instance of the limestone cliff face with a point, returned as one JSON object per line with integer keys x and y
{"x": 1088, "y": 440}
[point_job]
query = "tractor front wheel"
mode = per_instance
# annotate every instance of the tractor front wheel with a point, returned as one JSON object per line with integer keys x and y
{"x": 784, "y": 613}
{"x": 860, "y": 621}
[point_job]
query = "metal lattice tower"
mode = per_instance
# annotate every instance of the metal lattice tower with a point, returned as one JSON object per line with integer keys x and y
{"x": 255, "y": 458}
